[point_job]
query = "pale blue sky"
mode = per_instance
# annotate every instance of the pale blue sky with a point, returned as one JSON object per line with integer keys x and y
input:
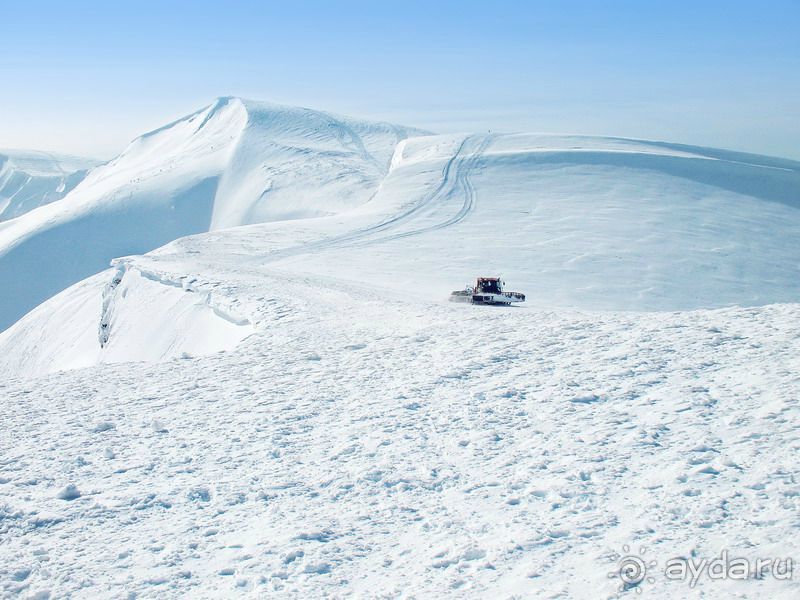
{"x": 87, "y": 77}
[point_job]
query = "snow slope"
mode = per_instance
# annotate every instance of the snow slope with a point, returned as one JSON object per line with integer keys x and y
{"x": 575, "y": 222}
{"x": 293, "y": 408}
{"x": 368, "y": 446}
{"x": 580, "y": 222}
{"x": 234, "y": 162}
{"x": 31, "y": 179}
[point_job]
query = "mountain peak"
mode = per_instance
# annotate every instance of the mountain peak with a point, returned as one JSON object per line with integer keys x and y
{"x": 233, "y": 162}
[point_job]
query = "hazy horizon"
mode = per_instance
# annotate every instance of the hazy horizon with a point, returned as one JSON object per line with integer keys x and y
{"x": 87, "y": 78}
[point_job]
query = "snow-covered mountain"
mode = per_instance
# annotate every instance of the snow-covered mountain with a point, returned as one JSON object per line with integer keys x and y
{"x": 575, "y": 222}
{"x": 284, "y": 403}
{"x": 31, "y": 179}
{"x": 232, "y": 163}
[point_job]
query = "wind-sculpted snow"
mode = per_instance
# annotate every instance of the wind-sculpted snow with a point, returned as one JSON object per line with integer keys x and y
{"x": 35, "y": 267}
{"x": 235, "y": 162}
{"x": 311, "y": 164}
{"x": 148, "y": 318}
{"x": 32, "y": 179}
{"x": 597, "y": 223}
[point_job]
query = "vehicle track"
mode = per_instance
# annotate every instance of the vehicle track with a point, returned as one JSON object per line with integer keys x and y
{"x": 451, "y": 179}
{"x": 462, "y": 170}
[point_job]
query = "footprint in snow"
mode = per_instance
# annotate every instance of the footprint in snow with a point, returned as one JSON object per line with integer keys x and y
{"x": 292, "y": 556}
{"x": 587, "y": 399}
{"x": 199, "y": 494}
{"x": 707, "y": 470}
{"x": 317, "y": 536}
{"x": 70, "y": 492}
{"x": 317, "y": 568}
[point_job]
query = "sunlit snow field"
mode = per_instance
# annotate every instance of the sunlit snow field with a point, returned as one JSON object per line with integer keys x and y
{"x": 284, "y": 402}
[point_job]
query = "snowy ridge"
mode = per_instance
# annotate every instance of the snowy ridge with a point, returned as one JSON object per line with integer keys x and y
{"x": 582, "y": 223}
{"x": 106, "y": 313}
{"x": 232, "y": 163}
{"x": 31, "y": 179}
{"x": 124, "y": 266}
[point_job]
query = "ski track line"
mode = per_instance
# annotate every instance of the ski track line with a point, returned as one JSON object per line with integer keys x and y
{"x": 462, "y": 181}
{"x": 348, "y": 239}
{"x": 455, "y": 175}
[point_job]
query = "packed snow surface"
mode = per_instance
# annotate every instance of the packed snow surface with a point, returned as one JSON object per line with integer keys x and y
{"x": 370, "y": 446}
{"x": 288, "y": 405}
